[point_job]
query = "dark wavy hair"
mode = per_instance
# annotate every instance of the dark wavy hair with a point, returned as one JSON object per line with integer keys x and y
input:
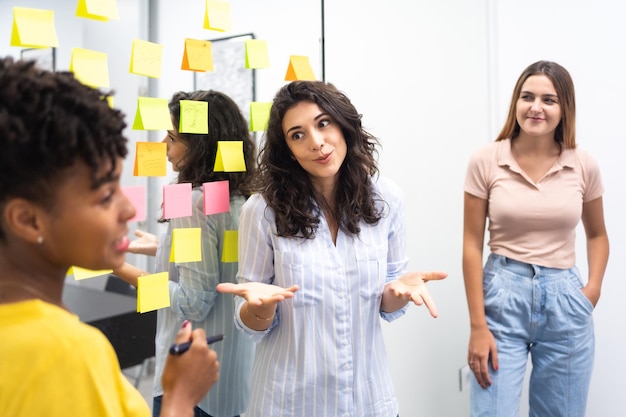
{"x": 286, "y": 186}
{"x": 226, "y": 123}
{"x": 48, "y": 122}
{"x": 565, "y": 133}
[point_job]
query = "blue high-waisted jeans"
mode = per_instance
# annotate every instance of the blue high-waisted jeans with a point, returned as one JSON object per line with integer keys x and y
{"x": 541, "y": 311}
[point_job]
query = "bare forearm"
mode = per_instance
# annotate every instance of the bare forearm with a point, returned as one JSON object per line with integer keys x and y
{"x": 129, "y": 273}
{"x": 257, "y": 317}
{"x": 473, "y": 277}
{"x": 597, "y": 259}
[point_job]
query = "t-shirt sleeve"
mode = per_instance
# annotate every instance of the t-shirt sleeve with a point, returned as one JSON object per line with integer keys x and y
{"x": 594, "y": 188}
{"x": 476, "y": 175}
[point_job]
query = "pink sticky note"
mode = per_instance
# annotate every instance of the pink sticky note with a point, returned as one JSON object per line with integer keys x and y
{"x": 216, "y": 197}
{"x": 176, "y": 200}
{"x": 137, "y": 195}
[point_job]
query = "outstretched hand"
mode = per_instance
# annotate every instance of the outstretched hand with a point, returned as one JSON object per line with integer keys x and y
{"x": 257, "y": 293}
{"x": 146, "y": 244}
{"x": 412, "y": 287}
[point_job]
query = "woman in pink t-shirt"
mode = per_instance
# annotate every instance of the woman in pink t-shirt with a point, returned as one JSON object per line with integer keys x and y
{"x": 534, "y": 186}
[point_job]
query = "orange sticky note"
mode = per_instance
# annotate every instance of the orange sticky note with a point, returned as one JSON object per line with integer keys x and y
{"x": 217, "y": 16}
{"x": 177, "y": 200}
{"x": 216, "y": 197}
{"x": 230, "y": 253}
{"x": 229, "y": 157}
{"x": 150, "y": 159}
{"x": 194, "y": 117}
{"x": 198, "y": 56}
{"x": 137, "y": 196}
{"x": 90, "y": 67}
{"x": 153, "y": 292}
{"x": 82, "y": 273}
{"x": 33, "y": 28}
{"x": 101, "y": 10}
{"x": 186, "y": 245}
{"x": 299, "y": 69}
{"x": 256, "y": 54}
{"x": 152, "y": 114}
{"x": 146, "y": 58}
{"x": 259, "y": 115}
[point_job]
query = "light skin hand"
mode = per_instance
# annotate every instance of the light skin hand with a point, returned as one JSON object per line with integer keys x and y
{"x": 145, "y": 244}
{"x": 257, "y": 293}
{"x": 482, "y": 346}
{"x": 412, "y": 287}
{"x": 188, "y": 377}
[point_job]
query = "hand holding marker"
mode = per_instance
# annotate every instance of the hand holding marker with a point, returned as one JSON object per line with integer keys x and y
{"x": 184, "y": 347}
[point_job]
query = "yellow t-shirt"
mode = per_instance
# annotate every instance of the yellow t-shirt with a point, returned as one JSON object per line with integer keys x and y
{"x": 53, "y": 365}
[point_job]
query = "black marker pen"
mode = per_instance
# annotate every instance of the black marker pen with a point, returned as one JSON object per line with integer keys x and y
{"x": 184, "y": 347}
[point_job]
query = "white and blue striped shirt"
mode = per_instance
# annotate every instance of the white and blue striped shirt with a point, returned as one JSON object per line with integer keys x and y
{"x": 324, "y": 354}
{"x": 193, "y": 297}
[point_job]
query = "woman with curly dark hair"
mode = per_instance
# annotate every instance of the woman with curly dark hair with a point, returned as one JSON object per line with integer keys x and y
{"x": 322, "y": 257}
{"x": 61, "y": 205}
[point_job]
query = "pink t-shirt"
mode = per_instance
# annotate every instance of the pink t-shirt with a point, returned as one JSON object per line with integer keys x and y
{"x": 533, "y": 222}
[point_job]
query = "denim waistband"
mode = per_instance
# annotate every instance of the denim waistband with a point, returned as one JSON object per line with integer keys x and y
{"x": 523, "y": 268}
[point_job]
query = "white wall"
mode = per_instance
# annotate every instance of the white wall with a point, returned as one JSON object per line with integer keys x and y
{"x": 433, "y": 80}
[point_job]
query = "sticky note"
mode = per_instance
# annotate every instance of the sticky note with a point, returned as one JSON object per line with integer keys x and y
{"x": 217, "y": 16}
{"x": 194, "y": 117}
{"x": 186, "y": 245}
{"x": 102, "y": 10}
{"x": 198, "y": 56}
{"x": 299, "y": 69}
{"x": 146, "y": 58}
{"x": 137, "y": 196}
{"x": 229, "y": 253}
{"x": 177, "y": 200}
{"x": 259, "y": 115}
{"x": 90, "y": 67}
{"x": 82, "y": 273}
{"x": 256, "y": 54}
{"x": 229, "y": 157}
{"x": 33, "y": 28}
{"x": 152, "y": 114}
{"x": 153, "y": 292}
{"x": 216, "y": 197}
{"x": 150, "y": 159}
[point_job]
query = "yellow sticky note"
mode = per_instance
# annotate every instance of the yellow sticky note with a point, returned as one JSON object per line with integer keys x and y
{"x": 256, "y": 54}
{"x": 82, "y": 273}
{"x": 186, "y": 245}
{"x": 259, "y": 115}
{"x": 152, "y": 114}
{"x": 146, "y": 58}
{"x": 198, "y": 56}
{"x": 229, "y": 157}
{"x": 102, "y": 10}
{"x": 217, "y": 16}
{"x": 90, "y": 67}
{"x": 229, "y": 253}
{"x": 150, "y": 159}
{"x": 153, "y": 292}
{"x": 33, "y": 28}
{"x": 299, "y": 69}
{"x": 194, "y": 117}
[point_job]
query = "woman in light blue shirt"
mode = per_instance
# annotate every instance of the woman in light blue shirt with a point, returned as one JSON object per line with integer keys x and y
{"x": 322, "y": 256}
{"x": 192, "y": 284}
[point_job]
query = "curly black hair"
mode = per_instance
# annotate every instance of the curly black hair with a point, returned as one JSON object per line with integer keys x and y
{"x": 226, "y": 123}
{"x": 48, "y": 122}
{"x": 286, "y": 186}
